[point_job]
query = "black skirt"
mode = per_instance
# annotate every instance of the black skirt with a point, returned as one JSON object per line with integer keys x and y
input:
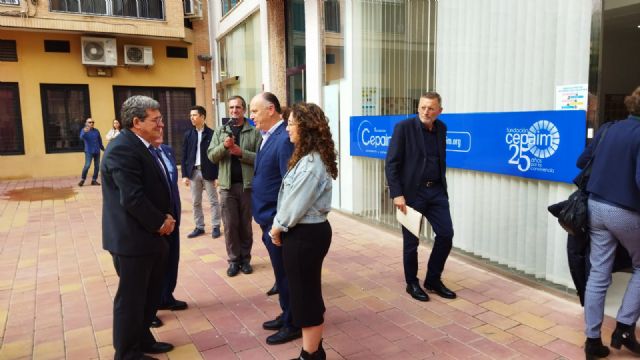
{"x": 304, "y": 248}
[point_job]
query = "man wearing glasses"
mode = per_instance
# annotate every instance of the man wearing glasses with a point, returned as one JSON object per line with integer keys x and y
{"x": 92, "y": 146}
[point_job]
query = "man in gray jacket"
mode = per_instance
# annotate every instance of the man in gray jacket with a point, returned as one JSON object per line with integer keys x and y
{"x": 233, "y": 148}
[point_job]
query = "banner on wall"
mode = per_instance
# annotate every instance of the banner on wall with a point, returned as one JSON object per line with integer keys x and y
{"x": 536, "y": 144}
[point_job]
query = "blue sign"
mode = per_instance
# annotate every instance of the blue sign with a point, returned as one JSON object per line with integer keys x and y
{"x": 536, "y": 144}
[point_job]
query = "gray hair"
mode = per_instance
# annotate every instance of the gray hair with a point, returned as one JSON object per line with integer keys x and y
{"x": 136, "y": 106}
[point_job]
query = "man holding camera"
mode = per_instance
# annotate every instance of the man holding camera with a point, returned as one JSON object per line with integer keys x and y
{"x": 233, "y": 148}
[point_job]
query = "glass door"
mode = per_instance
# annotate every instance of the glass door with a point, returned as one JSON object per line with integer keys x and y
{"x": 296, "y": 51}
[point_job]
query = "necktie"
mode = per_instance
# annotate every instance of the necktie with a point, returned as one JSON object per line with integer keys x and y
{"x": 156, "y": 154}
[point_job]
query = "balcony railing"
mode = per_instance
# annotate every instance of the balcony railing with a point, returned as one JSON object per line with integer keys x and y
{"x": 146, "y": 9}
{"x": 9, "y": 2}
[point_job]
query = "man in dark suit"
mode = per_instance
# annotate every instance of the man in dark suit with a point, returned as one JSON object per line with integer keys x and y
{"x": 167, "y": 300}
{"x": 271, "y": 165}
{"x": 137, "y": 216}
{"x": 415, "y": 169}
{"x": 199, "y": 172}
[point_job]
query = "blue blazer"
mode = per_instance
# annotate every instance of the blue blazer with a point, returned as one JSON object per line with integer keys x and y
{"x": 615, "y": 172}
{"x": 189, "y": 151}
{"x": 405, "y": 155}
{"x": 173, "y": 173}
{"x": 270, "y": 167}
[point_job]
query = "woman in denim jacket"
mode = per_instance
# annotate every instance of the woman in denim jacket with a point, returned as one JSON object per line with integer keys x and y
{"x": 300, "y": 225}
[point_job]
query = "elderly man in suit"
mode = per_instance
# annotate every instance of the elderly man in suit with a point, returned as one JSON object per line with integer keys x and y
{"x": 270, "y": 167}
{"x": 137, "y": 216}
{"x": 415, "y": 169}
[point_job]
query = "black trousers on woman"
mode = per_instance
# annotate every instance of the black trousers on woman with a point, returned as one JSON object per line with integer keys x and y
{"x": 304, "y": 248}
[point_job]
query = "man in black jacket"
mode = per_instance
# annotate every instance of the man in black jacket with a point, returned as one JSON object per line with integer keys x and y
{"x": 199, "y": 172}
{"x": 415, "y": 168}
{"x": 137, "y": 215}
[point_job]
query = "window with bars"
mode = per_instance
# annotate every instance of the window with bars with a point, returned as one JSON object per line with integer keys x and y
{"x": 146, "y": 9}
{"x": 228, "y": 5}
{"x": 11, "y": 136}
{"x": 64, "y": 111}
{"x": 175, "y": 104}
{"x": 9, "y": 2}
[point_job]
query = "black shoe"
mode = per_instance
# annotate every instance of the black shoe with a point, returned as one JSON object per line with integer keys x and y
{"x": 274, "y": 324}
{"x": 157, "y": 348}
{"x": 625, "y": 335}
{"x": 273, "y": 290}
{"x": 233, "y": 270}
{"x": 216, "y": 233}
{"x": 81, "y": 182}
{"x": 93, "y": 182}
{"x": 175, "y": 306}
{"x": 246, "y": 268}
{"x": 195, "y": 232}
{"x": 416, "y": 292}
{"x": 318, "y": 355}
{"x": 594, "y": 349}
{"x": 440, "y": 289}
{"x": 156, "y": 322}
{"x": 285, "y": 334}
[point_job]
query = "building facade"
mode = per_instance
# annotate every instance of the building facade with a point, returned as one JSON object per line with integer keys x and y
{"x": 375, "y": 57}
{"x": 64, "y": 61}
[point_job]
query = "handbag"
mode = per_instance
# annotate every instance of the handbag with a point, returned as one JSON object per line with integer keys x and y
{"x": 573, "y": 216}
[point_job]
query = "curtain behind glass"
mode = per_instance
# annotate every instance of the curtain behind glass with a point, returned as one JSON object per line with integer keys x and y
{"x": 398, "y": 51}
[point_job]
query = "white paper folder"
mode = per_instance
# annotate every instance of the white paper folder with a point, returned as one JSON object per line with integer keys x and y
{"x": 411, "y": 220}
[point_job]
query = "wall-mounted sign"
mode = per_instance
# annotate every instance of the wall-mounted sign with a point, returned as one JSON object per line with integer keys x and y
{"x": 537, "y": 144}
{"x": 572, "y": 97}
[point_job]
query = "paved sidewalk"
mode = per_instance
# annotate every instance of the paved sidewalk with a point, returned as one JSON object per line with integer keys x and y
{"x": 57, "y": 286}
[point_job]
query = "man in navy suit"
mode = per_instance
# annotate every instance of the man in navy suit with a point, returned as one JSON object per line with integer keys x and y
{"x": 137, "y": 216}
{"x": 199, "y": 172}
{"x": 167, "y": 300}
{"x": 415, "y": 169}
{"x": 271, "y": 165}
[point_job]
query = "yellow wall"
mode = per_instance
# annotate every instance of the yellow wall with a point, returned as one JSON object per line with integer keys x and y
{"x": 35, "y": 66}
{"x": 39, "y": 17}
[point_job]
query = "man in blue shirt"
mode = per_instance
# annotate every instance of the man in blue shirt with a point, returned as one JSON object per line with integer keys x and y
{"x": 92, "y": 146}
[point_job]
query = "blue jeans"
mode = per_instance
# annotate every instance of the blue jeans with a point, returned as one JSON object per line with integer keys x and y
{"x": 607, "y": 225}
{"x": 433, "y": 203}
{"x": 87, "y": 162}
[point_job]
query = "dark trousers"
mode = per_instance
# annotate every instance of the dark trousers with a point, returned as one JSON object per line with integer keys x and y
{"x": 236, "y": 216}
{"x": 171, "y": 274}
{"x": 87, "y": 163}
{"x": 136, "y": 301}
{"x": 433, "y": 203}
{"x": 304, "y": 248}
{"x": 275, "y": 254}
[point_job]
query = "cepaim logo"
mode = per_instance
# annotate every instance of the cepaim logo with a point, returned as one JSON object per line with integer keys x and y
{"x": 546, "y": 139}
{"x": 370, "y": 137}
{"x": 541, "y": 140}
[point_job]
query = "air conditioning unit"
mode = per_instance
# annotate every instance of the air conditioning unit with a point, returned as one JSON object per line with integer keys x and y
{"x": 192, "y": 9}
{"x": 99, "y": 51}
{"x": 138, "y": 55}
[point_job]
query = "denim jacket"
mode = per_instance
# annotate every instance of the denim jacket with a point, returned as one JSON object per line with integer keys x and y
{"x": 305, "y": 194}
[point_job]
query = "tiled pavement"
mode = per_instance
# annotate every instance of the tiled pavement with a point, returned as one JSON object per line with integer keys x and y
{"x": 57, "y": 285}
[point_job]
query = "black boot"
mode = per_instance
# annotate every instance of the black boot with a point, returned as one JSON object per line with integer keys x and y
{"x": 594, "y": 349}
{"x": 318, "y": 355}
{"x": 625, "y": 335}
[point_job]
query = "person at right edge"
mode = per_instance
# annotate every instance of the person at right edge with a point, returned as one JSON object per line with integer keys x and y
{"x": 415, "y": 168}
{"x": 300, "y": 225}
{"x": 613, "y": 215}
{"x": 233, "y": 148}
